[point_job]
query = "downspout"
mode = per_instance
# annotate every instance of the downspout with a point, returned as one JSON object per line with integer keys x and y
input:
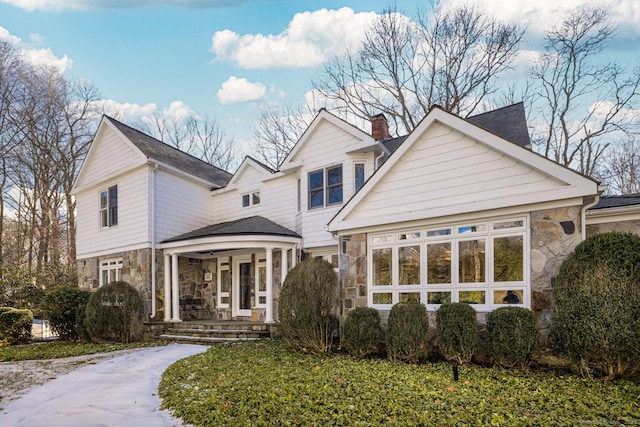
{"x": 153, "y": 240}
{"x": 583, "y": 213}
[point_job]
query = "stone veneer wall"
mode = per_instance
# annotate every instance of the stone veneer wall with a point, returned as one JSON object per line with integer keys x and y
{"x": 632, "y": 226}
{"x": 554, "y": 234}
{"x": 136, "y": 270}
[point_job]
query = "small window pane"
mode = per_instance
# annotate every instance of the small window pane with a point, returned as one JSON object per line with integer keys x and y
{"x": 438, "y": 297}
{"x": 334, "y": 185}
{"x": 382, "y": 298}
{"x": 382, "y": 267}
{"x": 508, "y": 259}
{"x": 508, "y": 297}
{"x": 439, "y": 263}
{"x": 224, "y": 300}
{"x": 359, "y": 175}
{"x": 334, "y": 195}
{"x": 245, "y": 200}
{"x": 262, "y": 279}
{"x": 472, "y": 228}
{"x": 409, "y": 236}
{"x": 381, "y": 239}
{"x": 256, "y": 198}
{"x": 225, "y": 281}
{"x": 262, "y": 300}
{"x": 409, "y": 265}
{"x": 507, "y": 224}
{"x": 410, "y": 296}
{"x": 472, "y": 297}
{"x": 316, "y": 189}
{"x": 103, "y": 200}
{"x": 471, "y": 256}
{"x": 442, "y": 232}
{"x": 334, "y": 176}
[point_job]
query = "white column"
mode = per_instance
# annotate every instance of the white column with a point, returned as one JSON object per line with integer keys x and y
{"x": 175, "y": 282}
{"x": 268, "y": 318}
{"x": 294, "y": 256}
{"x": 167, "y": 288}
{"x": 285, "y": 265}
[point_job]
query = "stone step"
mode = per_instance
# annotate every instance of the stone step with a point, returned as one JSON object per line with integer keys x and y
{"x": 200, "y": 339}
{"x": 215, "y": 331}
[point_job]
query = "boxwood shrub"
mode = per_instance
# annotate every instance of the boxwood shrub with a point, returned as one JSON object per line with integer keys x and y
{"x": 362, "y": 333}
{"x": 513, "y": 337}
{"x": 408, "y": 332}
{"x": 457, "y": 332}
{"x": 596, "y": 304}
{"x": 15, "y": 325}
{"x": 114, "y": 313}
{"x": 308, "y": 303}
{"x": 64, "y": 307}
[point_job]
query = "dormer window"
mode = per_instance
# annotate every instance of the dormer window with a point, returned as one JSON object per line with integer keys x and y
{"x": 325, "y": 187}
{"x": 251, "y": 199}
{"x": 109, "y": 207}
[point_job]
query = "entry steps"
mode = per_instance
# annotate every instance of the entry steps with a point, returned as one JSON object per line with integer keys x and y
{"x": 215, "y": 331}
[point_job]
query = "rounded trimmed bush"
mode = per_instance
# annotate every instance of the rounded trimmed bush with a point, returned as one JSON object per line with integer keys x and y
{"x": 362, "y": 332}
{"x": 114, "y": 313}
{"x": 15, "y": 325}
{"x": 457, "y": 332}
{"x": 513, "y": 337}
{"x": 64, "y": 307}
{"x": 596, "y": 304}
{"x": 408, "y": 332}
{"x": 307, "y": 307}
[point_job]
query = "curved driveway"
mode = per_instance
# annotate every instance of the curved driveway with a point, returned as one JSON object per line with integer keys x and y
{"x": 120, "y": 391}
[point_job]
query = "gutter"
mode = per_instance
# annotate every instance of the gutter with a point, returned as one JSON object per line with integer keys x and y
{"x": 153, "y": 240}
{"x": 583, "y": 211}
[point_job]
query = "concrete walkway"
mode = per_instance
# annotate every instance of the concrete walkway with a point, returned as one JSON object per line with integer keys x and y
{"x": 121, "y": 391}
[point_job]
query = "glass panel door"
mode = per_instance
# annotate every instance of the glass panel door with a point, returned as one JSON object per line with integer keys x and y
{"x": 242, "y": 289}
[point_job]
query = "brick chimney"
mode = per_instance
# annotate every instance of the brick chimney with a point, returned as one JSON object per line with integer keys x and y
{"x": 379, "y": 127}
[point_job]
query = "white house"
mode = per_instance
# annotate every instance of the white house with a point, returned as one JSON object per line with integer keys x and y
{"x": 458, "y": 210}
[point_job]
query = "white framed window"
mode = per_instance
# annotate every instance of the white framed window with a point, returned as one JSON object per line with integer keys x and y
{"x": 261, "y": 283}
{"x": 325, "y": 187}
{"x": 109, "y": 207}
{"x": 251, "y": 199}
{"x": 482, "y": 263}
{"x": 224, "y": 282}
{"x": 358, "y": 176}
{"x": 299, "y": 195}
{"x": 110, "y": 271}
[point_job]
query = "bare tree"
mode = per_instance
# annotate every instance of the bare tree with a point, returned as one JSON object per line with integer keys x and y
{"x": 620, "y": 168}
{"x": 450, "y": 58}
{"x": 583, "y": 102}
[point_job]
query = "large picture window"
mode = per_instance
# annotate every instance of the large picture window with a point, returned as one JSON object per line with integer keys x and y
{"x": 325, "y": 187}
{"x": 109, "y": 207}
{"x": 482, "y": 263}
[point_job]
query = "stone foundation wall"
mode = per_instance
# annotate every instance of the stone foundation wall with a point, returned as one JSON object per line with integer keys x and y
{"x": 353, "y": 273}
{"x": 632, "y": 226}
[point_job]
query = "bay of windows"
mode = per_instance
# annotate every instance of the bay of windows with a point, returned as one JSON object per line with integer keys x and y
{"x": 479, "y": 263}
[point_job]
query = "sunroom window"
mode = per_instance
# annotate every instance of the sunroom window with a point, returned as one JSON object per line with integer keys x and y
{"x": 480, "y": 263}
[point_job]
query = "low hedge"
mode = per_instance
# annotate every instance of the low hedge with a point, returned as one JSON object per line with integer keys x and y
{"x": 64, "y": 307}
{"x": 408, "y": 332}
{"x": 457, "y": 332}
{"x": 362, "y": 333}
{"x": 15, "y": 325}
{"x": 513, "y": 337}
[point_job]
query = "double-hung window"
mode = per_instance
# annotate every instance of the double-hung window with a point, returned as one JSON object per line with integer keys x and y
{"x": 109, "y": 207}
{"x": 480, "y": 263}
{"x": 251, "y": 199}
{"x": 325, "y": 187}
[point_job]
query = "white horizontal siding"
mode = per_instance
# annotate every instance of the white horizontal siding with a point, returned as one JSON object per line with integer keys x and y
{"x": 133, "y": 214}
{"x": 181, "y": 205}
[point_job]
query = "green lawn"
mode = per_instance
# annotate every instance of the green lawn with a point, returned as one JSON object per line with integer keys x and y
{"x": 262, "y": 384}
{"x": 60, "y": 349}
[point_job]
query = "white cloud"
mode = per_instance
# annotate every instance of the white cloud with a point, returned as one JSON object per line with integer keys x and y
{"x": 540, "y": 14}
{"x": 49, "y": 5}
{"x": 309, "y": 40}
{"x": 237, "y": 90}
{"x": 36, "y": 56}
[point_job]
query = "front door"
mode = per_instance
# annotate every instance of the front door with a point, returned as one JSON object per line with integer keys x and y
{"x": 242, "y": 289}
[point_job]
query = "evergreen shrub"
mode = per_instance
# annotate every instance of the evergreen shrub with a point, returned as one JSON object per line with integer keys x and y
{"x": 457, "y": 332}
{"x": 512, "y": 336}
{"x": 596, "y": 304}
{"x": 115, "y": 313}
{"x": 408, "y": 332}
{"x": 15, "y": 325}
{"x": 64, "y": 307}
{"x": 307, "y": 307}
{"x": 362, "y": 332}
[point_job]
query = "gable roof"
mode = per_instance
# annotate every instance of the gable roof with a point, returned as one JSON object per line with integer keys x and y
{"x": 248, "y": 162}
{"x": 254, "y": 225}
{"x": 617, "y": 201}
{"x": 543, "y": 179}
{"x": 509, "y": 122}
{"x": 155, "y": 149}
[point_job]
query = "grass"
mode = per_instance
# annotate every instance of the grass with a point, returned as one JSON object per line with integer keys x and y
{"x": 262, "y": 384}
{"x": 60, "y": 349}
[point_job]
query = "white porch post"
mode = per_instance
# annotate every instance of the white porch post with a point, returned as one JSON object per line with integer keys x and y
{"x": 285, "y": 265}
{"x": 294, "y": 256}
{"x": 167, "y": 287}
{"x": 175, "y": 282}
{"x": 268, "y": 318}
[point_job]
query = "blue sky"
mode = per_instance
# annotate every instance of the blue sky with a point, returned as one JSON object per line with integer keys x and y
{"x": 224, "y": 58}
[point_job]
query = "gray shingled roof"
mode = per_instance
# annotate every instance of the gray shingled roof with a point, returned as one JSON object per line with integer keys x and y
{"x": 254, "y": 225}
{"x": 508, "y": 122}
{"x": 158, "y": 150}
{"x": 617, "y": 201}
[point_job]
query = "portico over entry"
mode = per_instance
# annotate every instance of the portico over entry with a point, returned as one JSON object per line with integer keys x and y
{"x": 228, "y": 271}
